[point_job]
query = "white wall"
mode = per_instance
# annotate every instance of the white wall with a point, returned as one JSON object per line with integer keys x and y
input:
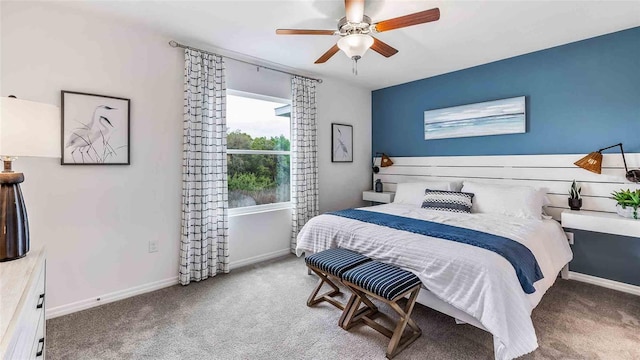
{"x": 341, "y": 184}
{"x": 97, "y": 221}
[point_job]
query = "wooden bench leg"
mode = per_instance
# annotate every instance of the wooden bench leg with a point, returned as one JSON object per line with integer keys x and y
{"x": 396, "y": 342}
{"x": 395, "y": 346}
{"x": 354, "y": 313}
{"x": 314, "y": 298}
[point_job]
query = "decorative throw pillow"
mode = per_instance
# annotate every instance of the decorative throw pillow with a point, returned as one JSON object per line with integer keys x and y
{"x": 453, "y": 201}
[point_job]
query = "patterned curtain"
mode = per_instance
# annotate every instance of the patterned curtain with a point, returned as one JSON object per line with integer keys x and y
{"x": 304, "y": 154}
{"x": 203, "y": 242}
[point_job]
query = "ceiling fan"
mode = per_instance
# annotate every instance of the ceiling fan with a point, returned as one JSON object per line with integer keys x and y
{"x": 356, "y": 28}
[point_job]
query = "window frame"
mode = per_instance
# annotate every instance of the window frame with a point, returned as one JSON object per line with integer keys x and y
{"x": 256, "y": 209}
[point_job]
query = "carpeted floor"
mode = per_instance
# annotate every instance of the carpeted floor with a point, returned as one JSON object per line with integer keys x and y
{"x": 259, "y": 312}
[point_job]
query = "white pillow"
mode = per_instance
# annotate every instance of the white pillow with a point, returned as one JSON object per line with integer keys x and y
{"x": 518, "y": 201}
{"x": 412, "y": 193}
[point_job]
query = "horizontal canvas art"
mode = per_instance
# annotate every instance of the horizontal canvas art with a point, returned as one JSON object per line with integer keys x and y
{"x": 498, "y": 117}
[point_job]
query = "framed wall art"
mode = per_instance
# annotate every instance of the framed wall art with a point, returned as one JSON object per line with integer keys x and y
{"x": 341, "y": 143}
{"x": 95, "y": 129}
{"x": 498, "y": 117}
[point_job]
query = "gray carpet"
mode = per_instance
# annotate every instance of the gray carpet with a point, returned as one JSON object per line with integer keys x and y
{"x": 259, "y": 312}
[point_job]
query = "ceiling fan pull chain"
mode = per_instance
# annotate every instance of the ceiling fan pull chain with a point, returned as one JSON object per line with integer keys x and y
{"x": 354, "y": 69}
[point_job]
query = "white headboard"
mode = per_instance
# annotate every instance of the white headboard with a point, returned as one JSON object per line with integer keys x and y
{"x": 554, "y": 172}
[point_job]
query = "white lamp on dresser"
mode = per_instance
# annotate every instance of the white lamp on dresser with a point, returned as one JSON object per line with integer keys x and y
{"x": 28, "y": 129}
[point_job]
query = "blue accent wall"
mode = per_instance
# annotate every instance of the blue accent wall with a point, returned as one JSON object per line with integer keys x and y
{"x": 580, "y": 97}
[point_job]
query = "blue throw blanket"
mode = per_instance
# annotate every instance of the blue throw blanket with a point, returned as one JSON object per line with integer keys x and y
{"x": 517, "y": 254}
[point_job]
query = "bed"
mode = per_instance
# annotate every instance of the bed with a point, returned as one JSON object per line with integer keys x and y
{"x": 469, "y": 283}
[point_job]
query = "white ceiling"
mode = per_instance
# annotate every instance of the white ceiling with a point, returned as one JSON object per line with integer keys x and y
{"x": 469, "y": 33}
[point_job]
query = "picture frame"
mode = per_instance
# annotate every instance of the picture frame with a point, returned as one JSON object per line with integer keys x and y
{"x": 96, "y": 129}
{"x": 496, "y": 117}
{"x": 341, "y": 143}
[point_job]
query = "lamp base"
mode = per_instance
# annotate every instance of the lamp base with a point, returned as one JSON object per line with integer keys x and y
{"x": 633, "y": 175}
{"x": 14, "y": 226}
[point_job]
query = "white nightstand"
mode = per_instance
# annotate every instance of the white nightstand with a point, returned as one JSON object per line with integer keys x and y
{"x": 607, "y": 223}
{"x": 379, "y": 197}
{"x": 605, "y": 250}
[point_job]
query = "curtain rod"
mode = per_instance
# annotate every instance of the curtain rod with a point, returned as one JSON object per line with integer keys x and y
{"x": 176, "y": 44}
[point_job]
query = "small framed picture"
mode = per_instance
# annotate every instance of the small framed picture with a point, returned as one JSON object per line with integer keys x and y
{"x": 341, "y": 143}
{"x": 95, "y": 129}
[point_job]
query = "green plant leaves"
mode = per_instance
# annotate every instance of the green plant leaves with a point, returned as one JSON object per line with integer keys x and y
{"x": 628, "y": 198}
{"x": 575, "y": 191}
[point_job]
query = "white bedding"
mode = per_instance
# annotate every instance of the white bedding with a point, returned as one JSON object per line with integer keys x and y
{"x": 479, "y": 282}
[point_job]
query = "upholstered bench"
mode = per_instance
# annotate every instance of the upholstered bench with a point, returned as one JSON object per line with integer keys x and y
{"x": 329, "y": 265}
{"x": 386, "y": 283}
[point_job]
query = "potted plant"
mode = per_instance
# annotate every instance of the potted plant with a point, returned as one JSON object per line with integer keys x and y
{"x": 575, "y": 200}
{"x": 628, "y": 203}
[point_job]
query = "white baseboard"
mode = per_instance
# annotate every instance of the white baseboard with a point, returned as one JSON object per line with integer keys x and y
{"x": 259, "y": 258}
{"x": 610, "y": 284}
{"x": 137, "y": 290}
{"x": 108, "y": 298}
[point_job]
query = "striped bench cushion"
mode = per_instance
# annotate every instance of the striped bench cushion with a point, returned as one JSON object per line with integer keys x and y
{"x": 382, "y": 279}
{"x": 336, "y": 261}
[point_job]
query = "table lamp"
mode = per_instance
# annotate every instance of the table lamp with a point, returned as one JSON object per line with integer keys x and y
{"x": 27, "y": 128}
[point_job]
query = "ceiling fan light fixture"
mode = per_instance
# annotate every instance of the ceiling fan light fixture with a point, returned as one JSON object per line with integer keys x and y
{"x": 355, "y": 45}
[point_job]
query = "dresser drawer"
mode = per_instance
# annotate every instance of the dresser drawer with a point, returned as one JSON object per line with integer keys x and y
{"x": 37, "y": 350}
{"x": 30, "y": 320}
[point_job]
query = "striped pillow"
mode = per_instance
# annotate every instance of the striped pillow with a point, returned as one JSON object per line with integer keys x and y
{"x": 453, "y": 201}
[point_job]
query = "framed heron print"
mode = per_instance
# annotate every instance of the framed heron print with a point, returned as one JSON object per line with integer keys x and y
{"x": 341, "y": 143}
{"x": 95, "y": 129}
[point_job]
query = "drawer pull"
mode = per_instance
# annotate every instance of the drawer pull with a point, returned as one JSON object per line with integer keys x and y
{"x": 40, "y": 302}
{"x": 40, "y": 347}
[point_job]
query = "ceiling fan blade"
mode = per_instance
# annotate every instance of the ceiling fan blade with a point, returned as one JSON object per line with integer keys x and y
{"x": 304, "y": 32}
{"x": 326, "y": 56}
{"x": 383, "y": 48}
{"x": 408, "y": 20}
{"x": 355, "y": 10}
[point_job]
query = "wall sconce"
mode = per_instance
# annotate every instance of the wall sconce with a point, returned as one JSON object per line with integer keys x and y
{"x": 385, "y": 162}
{"x": 593, "y": 163}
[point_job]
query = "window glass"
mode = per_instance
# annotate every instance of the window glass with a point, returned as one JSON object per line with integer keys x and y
{"x": 253, "y": 124}
{"x": 257, "y": 151}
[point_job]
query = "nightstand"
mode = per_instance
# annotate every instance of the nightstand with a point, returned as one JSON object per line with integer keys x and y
{"x": 601, "y": 222}
{"x": 606, "y": 249}
{"x": 385, "y": 197}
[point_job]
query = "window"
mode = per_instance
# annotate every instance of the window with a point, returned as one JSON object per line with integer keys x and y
{"x": 258, "y": 150}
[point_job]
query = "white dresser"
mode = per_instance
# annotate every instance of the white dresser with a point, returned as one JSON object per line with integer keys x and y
{"x": 22, "y": 321}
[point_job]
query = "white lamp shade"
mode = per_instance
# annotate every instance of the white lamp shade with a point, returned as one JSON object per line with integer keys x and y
{"x": 355, "y": 44}
{"x": 29, "y": 128}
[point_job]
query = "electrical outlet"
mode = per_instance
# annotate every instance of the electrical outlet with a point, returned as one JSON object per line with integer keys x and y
{"x": 153, "y": 246}
{"x": 569, "y": 237}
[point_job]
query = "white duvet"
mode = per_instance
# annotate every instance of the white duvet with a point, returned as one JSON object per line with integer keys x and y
{"x": 479, "y": 282}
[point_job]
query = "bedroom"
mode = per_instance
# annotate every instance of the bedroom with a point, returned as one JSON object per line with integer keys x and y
{"x": 575, "y": 63}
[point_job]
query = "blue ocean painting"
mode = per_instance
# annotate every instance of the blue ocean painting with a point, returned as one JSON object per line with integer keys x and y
{"x": 498, "y": 117}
